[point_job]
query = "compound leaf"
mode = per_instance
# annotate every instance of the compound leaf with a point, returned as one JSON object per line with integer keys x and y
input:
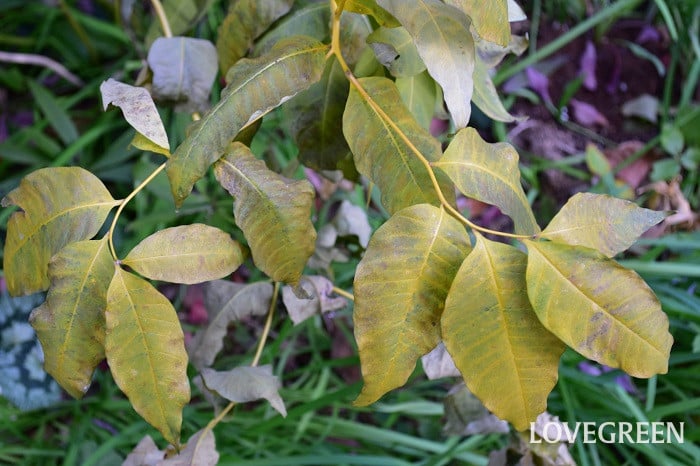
{"x": 245, "y": 21}
{"x": 145, "y": 349}
{"x": 186, "y": 254}
{"x": 226, "y": 302}
{"x": 597, "y": 307}
{"x": 382, "y": 154}
{"x": 441, "y": 34}
{"x": 273, "y": 212}
{"x": 59, "y": 206}
{"x": 400, "y": 288}
{"x": 184, "y": 70}
{"x": 490, "y": 19}
{"x": 601, "y": 222}
{"x": 244, "y": 384}
{"x": 255, "y": 86}
{"x": 71, "y": 323}
{"x": 507, "y": 358}
{"x": 138, "y": 109}
{"x": 489, "y": 173}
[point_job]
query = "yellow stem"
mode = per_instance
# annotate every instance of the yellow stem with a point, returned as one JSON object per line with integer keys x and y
{"x": 160, "y": 12}
{"x": 335, "y": 49}
{"x": 256, "y": 358}
{"x": 343, "y": 293}
{"x": 123, "y": 203}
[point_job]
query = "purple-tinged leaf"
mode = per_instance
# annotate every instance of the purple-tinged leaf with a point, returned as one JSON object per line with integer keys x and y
{"x": 588, "y": 64}
{"x": 587, "y": 114}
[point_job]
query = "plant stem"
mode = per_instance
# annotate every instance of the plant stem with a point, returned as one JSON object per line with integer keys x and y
{"x": 336, "y": 50}
{"x": 256, "y": 360}
{"x": 160, "y": 12}
{"x": 343, "y": 293}
{"x": 110, "y": 233}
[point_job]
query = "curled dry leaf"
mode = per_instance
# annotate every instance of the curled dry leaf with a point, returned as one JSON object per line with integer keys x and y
{"x": 320, "y": 291}
{"x": 245, "y": 384}
{"x": 438, "y": 363}
{"x": 138, "y": 109}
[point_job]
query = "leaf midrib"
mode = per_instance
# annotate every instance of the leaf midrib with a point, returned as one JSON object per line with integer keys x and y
{"x": 581, "y": 292}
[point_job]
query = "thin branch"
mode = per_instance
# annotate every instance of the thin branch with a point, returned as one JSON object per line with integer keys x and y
{"x": 40, "y": 60}
{"x": 160, "y": 12}
{"x": 343, "y": 293}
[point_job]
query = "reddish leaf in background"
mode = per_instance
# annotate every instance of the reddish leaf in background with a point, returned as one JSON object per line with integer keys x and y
{"x": 587, "y": 114}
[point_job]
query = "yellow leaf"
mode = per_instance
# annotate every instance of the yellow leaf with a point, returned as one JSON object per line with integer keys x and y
{"x": 441, "y": 34}
{"x": 597, "y": 307}
{"x": 71, "y": 323}
{"x": 601, "y": 222}
{"x": 382, "y": 154}
{"x": 186, "y": 254}
{"x": 490, "y": 19}
{"x": 400, "y": 289}
{"x": 273, "y": 212}
{"x": 145, "y": 349}
{"x": 58, "y": 206}
{"x": 507, "y": 358}
{"x": 489, "y": 173}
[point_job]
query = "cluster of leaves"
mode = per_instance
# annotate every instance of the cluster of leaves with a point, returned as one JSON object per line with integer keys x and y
{"x": 362, "y": 80}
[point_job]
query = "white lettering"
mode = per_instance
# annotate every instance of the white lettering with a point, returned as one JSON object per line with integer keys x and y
{"x": 533, "y": 437}
{"x": 571, "y": 436}
{"x": 657, "y": 432}
{"x": 679, "y": 436}
{"x": 601, "y": 433}
{"x": 547, "y": 430}
{"x": 589, "y": 432}
{"x": 642, "y": 432}
{"x": 625, "y": 431}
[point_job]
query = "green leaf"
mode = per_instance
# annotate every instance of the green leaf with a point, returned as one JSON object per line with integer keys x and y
{"x": 273, "y": 212}
{"x": 315, "y": 117}
{"x": 71, "y": 323}
{"x": 400, "y": 288}
{"x": 311, "y": 20}
{"x": 508, "y": 359}
{"x": 597, "y": 307}
{"x": 486, "y": 96}
{"x": 138, "y": 109}
{"x": 226, "y": 302}
{"x": 145, "y": 349}
{"x": 186, "y": 254}
{"x": 59, "y": 206}
{"x": 489, "y": 173}
{"x": 382, "y": 154}
{"x": 57, "y": 116}
{"x": 370, "y": 8}
{"x": 441, "y": 34}
{"x": 601, "y": 222}
{"x": 255, "y": 87}
{"x": 184, "y": 70}
{"x": 245, "y": 22}
{"x": 245, "y": 384}
{"x": 395, "y": 49}
{"x": 143, "y": 143}
{"x": 490, "y": 19}
{"x": 418, "y": 93}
